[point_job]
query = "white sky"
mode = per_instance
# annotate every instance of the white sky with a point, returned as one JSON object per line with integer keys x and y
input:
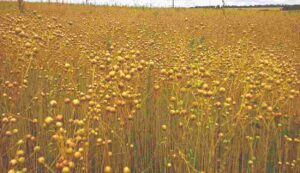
{"x": 181, "y": 3}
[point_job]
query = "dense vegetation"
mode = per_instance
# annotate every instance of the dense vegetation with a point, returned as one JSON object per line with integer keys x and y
{"x": 110, "y": 89}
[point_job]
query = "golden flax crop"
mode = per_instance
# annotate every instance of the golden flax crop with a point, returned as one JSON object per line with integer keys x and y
{"x": 137, "y": 90}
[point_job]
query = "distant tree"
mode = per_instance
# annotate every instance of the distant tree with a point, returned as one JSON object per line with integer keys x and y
{"x": 21, "y": 6}
{"x": 173, "y": 3}
{"x": 223, "y": 3}
{"x": 223, "y": 6}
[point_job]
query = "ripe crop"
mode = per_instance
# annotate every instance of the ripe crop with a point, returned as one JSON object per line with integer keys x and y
{"x": 117, "y": 89}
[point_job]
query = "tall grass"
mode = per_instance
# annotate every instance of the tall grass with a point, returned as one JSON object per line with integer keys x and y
{"x": 103, "y": 89}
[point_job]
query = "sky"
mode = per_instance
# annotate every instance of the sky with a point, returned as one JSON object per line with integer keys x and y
{"x": 181, "y": 3}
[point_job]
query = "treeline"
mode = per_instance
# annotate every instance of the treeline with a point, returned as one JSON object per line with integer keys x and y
{"x": 283, "y": 7}
{"x": 291, "y": 7}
